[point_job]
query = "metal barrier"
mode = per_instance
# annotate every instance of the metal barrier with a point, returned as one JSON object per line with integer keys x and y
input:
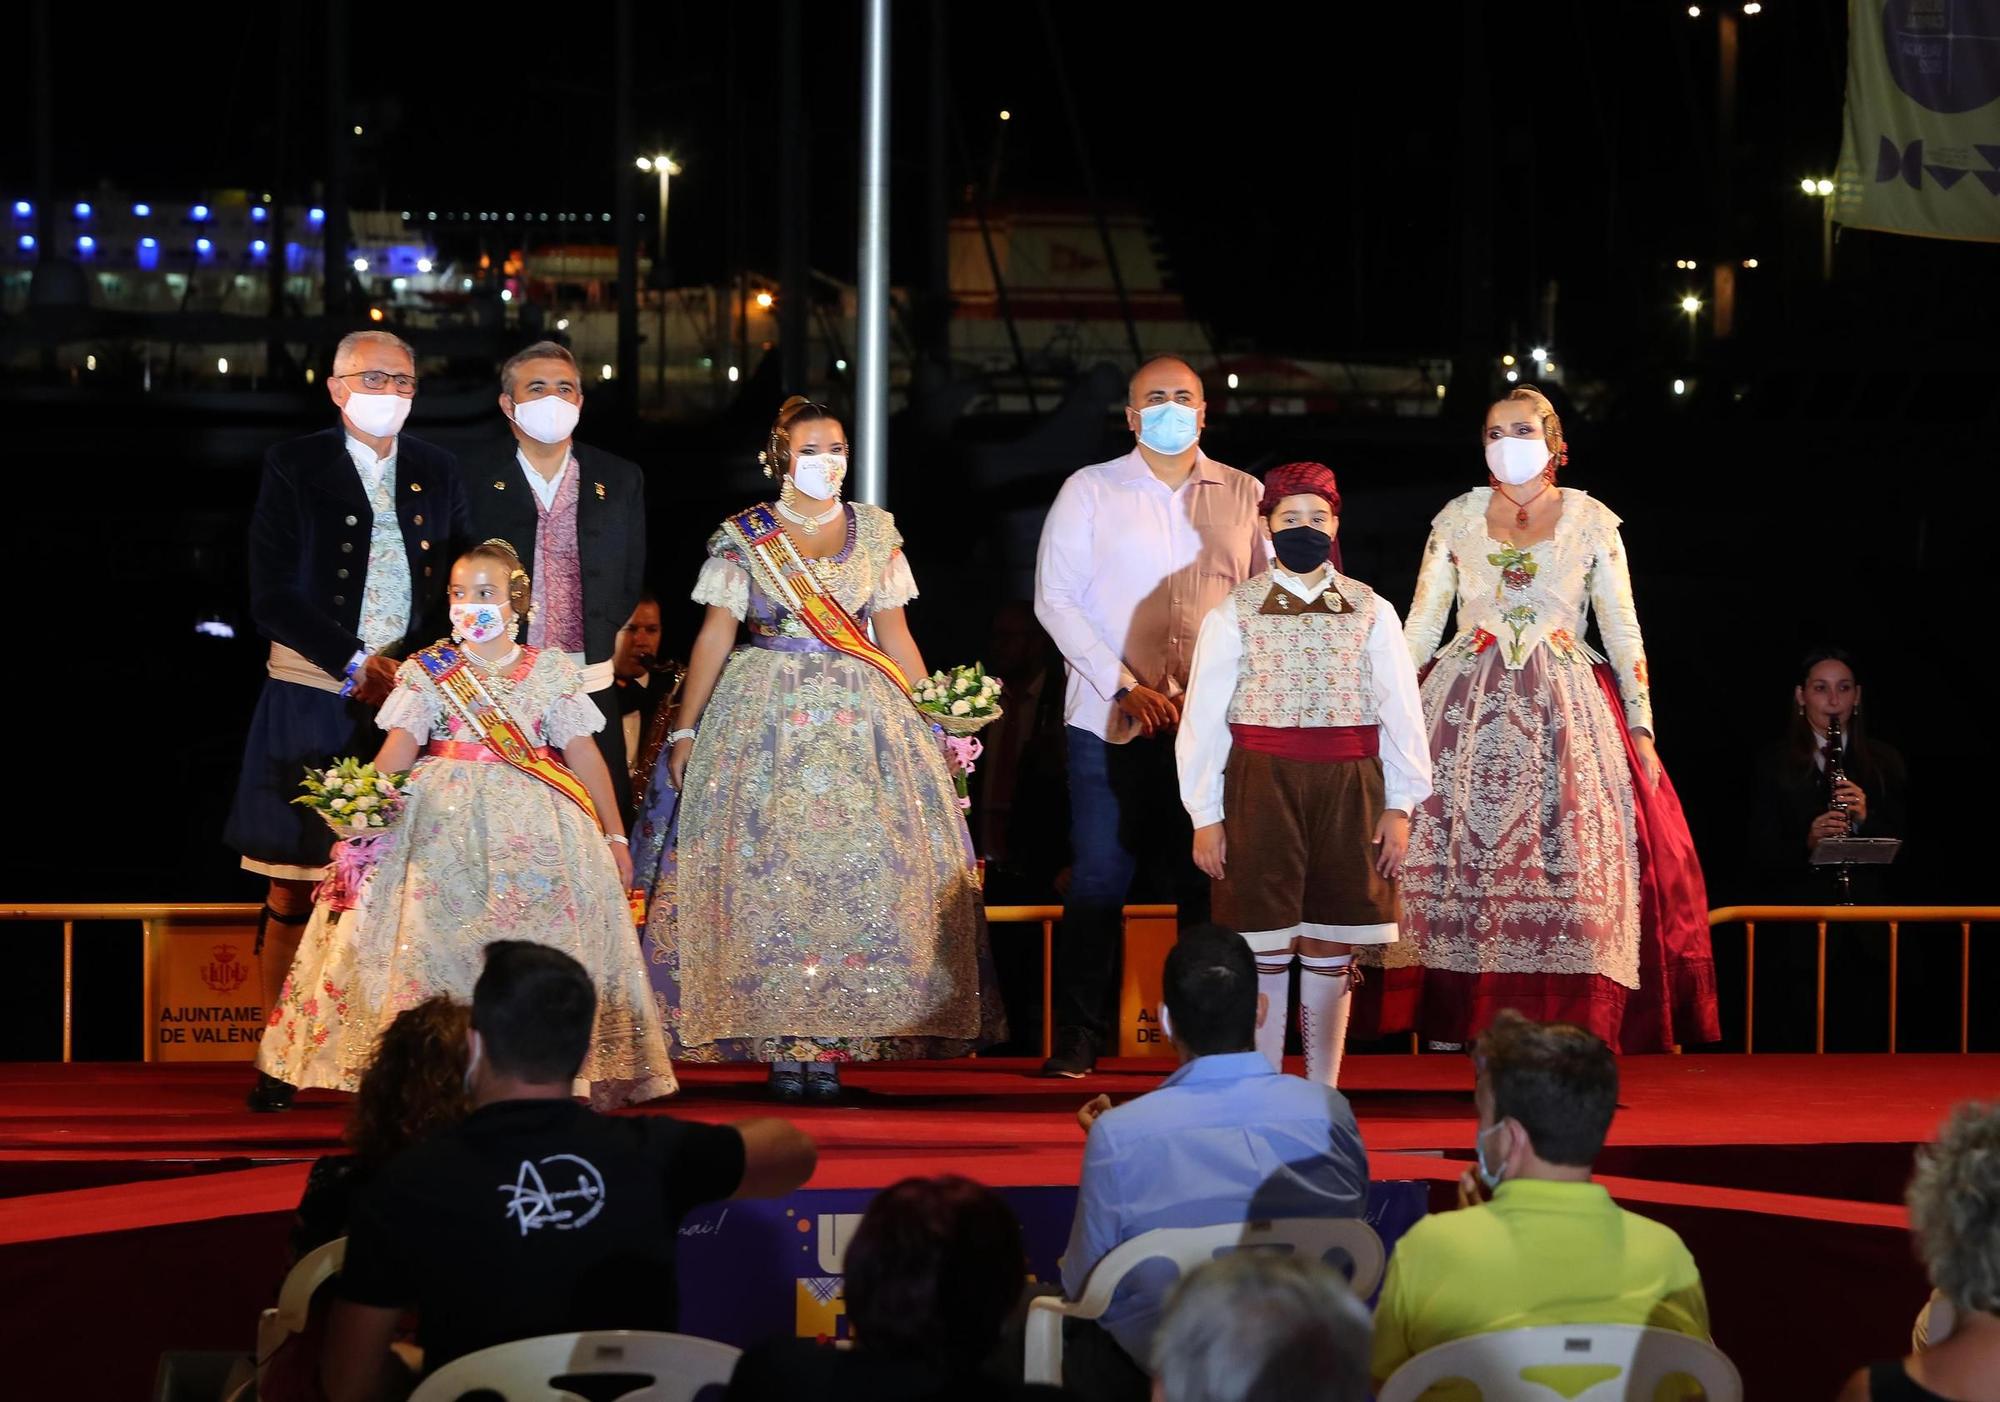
{"x": 1046, "y": 916}
{"x": 1820, "y": 916}
{"x": 69, "y": 916}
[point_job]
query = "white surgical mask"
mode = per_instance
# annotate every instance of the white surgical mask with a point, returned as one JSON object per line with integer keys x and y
{"x": 377, "y": 415}
{"x": 478, "y": 623}
{"x": 1517, "y": 460}
{"x": 819, "y": 475}
{"x": 550, "y": 419}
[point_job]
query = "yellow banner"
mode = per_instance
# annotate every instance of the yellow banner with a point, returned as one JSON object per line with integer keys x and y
{"x": 1920, "y": 148}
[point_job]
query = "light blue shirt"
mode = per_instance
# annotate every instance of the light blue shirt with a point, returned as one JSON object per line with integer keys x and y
{"x": 1224, "y": 1139}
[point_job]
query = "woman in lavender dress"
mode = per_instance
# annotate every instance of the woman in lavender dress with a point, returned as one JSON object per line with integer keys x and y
{"x": 814, "y": 899}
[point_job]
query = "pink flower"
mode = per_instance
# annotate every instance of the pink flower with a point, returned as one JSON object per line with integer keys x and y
{"x": 319, "y": 1037}
{"x": 311, "y": 1007}
{"x": 276, "y": 1013}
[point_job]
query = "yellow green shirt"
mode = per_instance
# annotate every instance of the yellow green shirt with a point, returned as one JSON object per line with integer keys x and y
{"x": 1539, "y": 1253}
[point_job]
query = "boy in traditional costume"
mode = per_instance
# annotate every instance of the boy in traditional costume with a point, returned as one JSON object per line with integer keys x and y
{"x": 497, "y": 839}
{"x": 1302, "y": 755}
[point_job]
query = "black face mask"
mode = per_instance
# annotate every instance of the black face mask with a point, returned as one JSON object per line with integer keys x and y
{"x": 1301, "y": 549}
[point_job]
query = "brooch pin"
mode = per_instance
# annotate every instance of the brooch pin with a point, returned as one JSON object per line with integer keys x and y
{"x": 499, "y": 486}
{"x": 600, "y": 491}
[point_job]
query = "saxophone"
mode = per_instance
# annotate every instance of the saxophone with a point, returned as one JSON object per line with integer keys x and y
{"x": 655, "y": 739}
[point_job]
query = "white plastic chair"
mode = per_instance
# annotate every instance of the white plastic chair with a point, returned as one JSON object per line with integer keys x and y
{"x": 1501, "y": 1364}
{"x": 677, "y": 1367}
{"x": 1187, "y": 1248}
{"x": 295, "y": 1298}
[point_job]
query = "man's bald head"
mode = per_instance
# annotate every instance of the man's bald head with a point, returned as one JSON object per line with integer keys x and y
{"x": 1163, "y": 378}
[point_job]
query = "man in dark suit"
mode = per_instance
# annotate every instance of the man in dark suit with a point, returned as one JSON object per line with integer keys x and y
{"x": 351, "y": 545}
{"x": 577, "y": 518}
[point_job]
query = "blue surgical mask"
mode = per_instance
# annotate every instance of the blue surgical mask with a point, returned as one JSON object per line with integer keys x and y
{"x": 1490, "y": 1177}
{"x": 1168, "y": 428}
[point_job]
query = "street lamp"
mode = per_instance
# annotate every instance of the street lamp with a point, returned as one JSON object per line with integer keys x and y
{"x": 665, "y": 167}
{"x": 1822, "y": 188}
{"x": 1691, "y": 304}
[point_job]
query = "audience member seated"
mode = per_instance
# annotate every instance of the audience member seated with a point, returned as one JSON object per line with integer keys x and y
{"x": 1223, "y": 1139}
{"x": 1254, "y": 1327}
{"x": 535, "y": 1215}
{"x": 932, "y": 1274}
{"x": 1955, "y": 1216}
{"x": 1549, "y": 1247}
{"x": 414, "y": 1086}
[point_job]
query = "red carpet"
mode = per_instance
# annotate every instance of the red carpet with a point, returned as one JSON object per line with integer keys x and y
{"x": 147, "y": 1194}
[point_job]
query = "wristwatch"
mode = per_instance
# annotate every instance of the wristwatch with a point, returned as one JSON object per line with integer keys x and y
{"x": 1121, "y": 693}
{"x": 674, "y": 737}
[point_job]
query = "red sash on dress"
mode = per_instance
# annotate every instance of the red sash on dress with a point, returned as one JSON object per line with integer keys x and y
{"x": 485, "y": 717}
{"x": 789, "y": 580}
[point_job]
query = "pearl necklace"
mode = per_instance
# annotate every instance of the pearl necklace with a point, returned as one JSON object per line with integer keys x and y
{"x": 513, "y": 656}
{"x": 809, "y": 524}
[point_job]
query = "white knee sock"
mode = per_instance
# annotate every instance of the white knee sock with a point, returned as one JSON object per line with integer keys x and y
{"x": 1274, "y": 986}
{"x": 1325, "y": 986}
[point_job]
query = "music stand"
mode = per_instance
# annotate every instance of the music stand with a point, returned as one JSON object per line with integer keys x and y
{"x": 1847, "y": 853}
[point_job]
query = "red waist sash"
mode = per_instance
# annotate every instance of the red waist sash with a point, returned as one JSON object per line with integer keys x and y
{"x": 1317, "y": 744}
{"x": 481, "y": 753}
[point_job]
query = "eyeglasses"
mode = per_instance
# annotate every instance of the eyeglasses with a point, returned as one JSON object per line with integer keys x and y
{"x": 381, "y": 380}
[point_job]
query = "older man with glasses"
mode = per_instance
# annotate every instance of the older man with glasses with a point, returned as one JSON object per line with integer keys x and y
{"x": 351, "y": 543}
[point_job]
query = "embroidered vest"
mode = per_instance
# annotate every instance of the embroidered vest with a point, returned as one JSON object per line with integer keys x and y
{"x": 1304, "y": 664}
{"x": 385, "y": 594}
{"x": 558, "y": 620}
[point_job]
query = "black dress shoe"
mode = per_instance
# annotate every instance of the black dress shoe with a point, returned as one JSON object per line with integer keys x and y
{"x": 270, "y": 1095}
{"x": 1074, "y": 1059}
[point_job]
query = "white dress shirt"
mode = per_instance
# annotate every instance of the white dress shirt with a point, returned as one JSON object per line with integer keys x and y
{"x": 543, "y": 487}
{"x": 372, "y": 470}
{"x": 1126, "y": 570}
{"x": 1203, "y": 745}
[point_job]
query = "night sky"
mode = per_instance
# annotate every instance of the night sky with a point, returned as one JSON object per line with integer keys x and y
{"x": 1310, "y": 167}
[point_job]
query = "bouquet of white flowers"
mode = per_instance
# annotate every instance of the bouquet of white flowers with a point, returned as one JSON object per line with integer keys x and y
{"x": 960, "y": 703}
{"x": 963, "y": 701}
{"x": 359, "y": 804}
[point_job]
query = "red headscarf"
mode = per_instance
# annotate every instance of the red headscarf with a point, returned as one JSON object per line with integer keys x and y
{"x": 1301, "y": 479}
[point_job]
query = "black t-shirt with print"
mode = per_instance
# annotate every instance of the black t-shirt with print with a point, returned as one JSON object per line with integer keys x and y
{"x": 535, "y": 1217}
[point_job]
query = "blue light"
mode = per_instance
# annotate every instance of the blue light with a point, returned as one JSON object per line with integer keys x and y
{"x": 203, "y": 246}
{"x": 149, "y": 243}
{"x": 27, "y": 242}
{"x": 316, "y": 215}
{"x": 258, "y": 214}
{"x": 82, "y": 210}
{"x": 198, "y": 213}
{"x": 142, "y": 211}
{"x": 149, "y": 254}
{"x": 259, "y": 247}
{"x": 22, "y": 209}
{"x": 86, "y": 244}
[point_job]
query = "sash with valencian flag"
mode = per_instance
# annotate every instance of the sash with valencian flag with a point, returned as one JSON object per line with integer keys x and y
{"x": 788, "y": 579}
{"x": 488, "y": 719}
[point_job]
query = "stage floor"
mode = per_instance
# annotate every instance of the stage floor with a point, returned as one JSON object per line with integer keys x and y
{"x": 95, "y": 1125}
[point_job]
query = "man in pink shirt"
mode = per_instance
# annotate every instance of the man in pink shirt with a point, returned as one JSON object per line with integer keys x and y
{"x": 1134, "y": 554}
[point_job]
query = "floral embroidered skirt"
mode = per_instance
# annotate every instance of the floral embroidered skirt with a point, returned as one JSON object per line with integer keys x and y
{"x": 814, "y": 896}
{"x": 482, "y": 853}
{"x": 1543, "y": 874}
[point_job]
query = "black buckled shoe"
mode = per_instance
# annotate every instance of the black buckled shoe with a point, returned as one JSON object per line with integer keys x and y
{"x": 270, "y": 1095}
{"x": 1075, "y": 1056}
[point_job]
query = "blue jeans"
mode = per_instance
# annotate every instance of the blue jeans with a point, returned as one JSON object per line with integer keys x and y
{"x": 1132, "y": 842}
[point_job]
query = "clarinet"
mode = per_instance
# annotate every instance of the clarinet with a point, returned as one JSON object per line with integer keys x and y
{"x": 1836, "y": 775}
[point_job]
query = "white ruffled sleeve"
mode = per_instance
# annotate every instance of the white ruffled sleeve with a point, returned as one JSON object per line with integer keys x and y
{"x": 414, "y": 705}
{"x": 572, "y": 714}
{"x": 1437, "y": 590}
{"x": 896, "y": 587}
{"x": 723, "y": 584}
